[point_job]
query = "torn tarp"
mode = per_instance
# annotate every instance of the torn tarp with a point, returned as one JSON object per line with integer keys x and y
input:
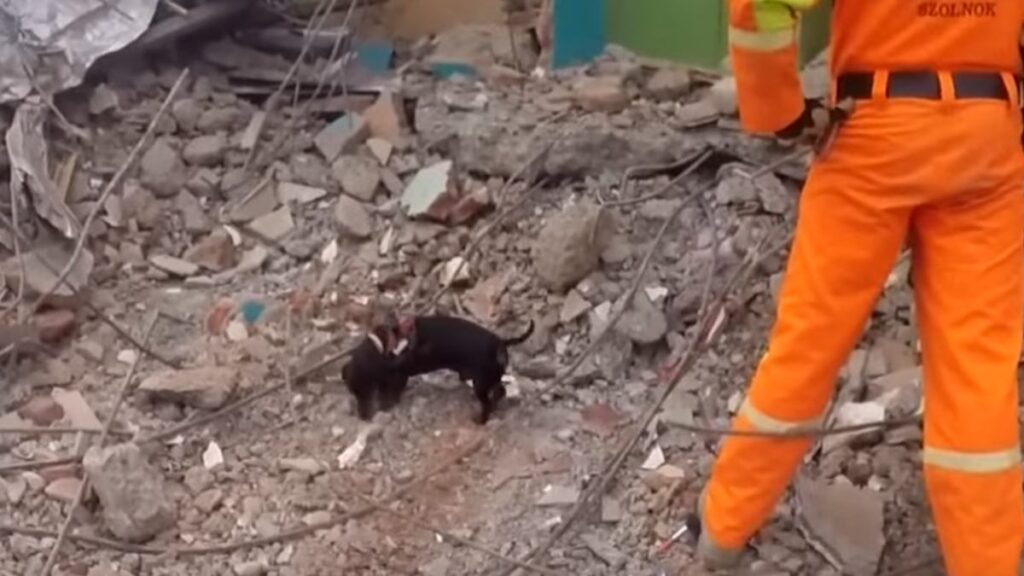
{"x": 30, "y": 168}
{"x": 50, "y": 44}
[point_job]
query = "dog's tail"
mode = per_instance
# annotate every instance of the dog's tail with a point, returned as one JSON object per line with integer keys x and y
{"x": 521, "y": 338}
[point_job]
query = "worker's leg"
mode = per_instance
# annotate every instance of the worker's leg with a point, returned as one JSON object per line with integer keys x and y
{"x": 967, "y": 267}
{"x": 847, "y": 239}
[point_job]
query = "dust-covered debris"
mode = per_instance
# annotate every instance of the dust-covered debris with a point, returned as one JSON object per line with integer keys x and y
{"x": 207, "y": 387}
{"x": 353, "y": 219}
{"x": 275, "y": 225}
{"x": 175, "y": 266}
{"x": 342, "y": 135}
{"x": 669, "y": 83}
{"x": 136, "y": 506}
{"x": 842, "y": 522}
{"x": 63, "y": 489}
{"x": 431, "y": 192}
{"x": 41, "y": 411}
{"x": 559, "y": 496}
{"x": 358, "y": 176}
{"x": 642, "y": 322}
{"x": 371, "y": 193}
{"x": 601, "y": 94}
{"x": 163, "y": 170}
{"x": 569, "y": 246}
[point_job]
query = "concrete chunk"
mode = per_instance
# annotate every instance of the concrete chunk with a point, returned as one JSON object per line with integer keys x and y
{"x": 843, "y": 522}
{"x": 208, "y": 387}
{"x": 136, "y": 506}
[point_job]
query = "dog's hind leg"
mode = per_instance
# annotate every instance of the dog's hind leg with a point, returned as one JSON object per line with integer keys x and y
{"x": 489, "y": 391}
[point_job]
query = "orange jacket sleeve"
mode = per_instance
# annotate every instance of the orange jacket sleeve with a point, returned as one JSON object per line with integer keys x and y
{"x": 763, "y": 50}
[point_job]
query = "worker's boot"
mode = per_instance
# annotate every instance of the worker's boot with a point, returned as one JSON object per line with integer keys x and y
{"x": 713, "y": 557}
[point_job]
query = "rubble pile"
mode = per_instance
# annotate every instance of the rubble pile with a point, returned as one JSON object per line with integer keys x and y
{"x": 265, "y": 234}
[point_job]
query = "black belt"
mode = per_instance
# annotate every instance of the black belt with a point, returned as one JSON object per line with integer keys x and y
{"x": 966, "y": 85}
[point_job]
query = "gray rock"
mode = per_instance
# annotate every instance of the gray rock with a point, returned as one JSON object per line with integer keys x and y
{"x": 573, "y": 307}
{"x": 16, "y": 488}
{"x": 842, "y": 522}
{"x": 136, "y": 506}
{"x": 440, "y": 566}
{"x": 206, "y": 150}
{"x": 352, "y": 218}
{"x": 310, "y": 170}
{"x": 643, "y": 322}
{"x": 275, "y": 225}
{"x": 64, "y": 489}
{"x": 603, "y": 550}
{"x": 559, "y": 496}
{"x": 774, "y": 197}
{"x": 697, "y": 114}
{"x": 669, "y": 83}
{"x": 103, "y": 99}
{"x": 187, "y": 112}
{"x": 733, "y": 187}
{"x": 723, "y": 95}
{"x": 501, "y": 141}
{"x": 163, "y": 171}
{"x": 208, "y": 387}
{"x": 251, "y": 568}
{"x": 192, "y": 213}
{"x": 173, "y": 265}
{"x": 680, "y": 407}
{"x": 358, "y": 176}
{"x": 342, "y": 135}
{"x": 611, "y": 358}
{"x": 569, "y": 246}
{"x": 106, "y": 569}
{"x": 217, "y": 119}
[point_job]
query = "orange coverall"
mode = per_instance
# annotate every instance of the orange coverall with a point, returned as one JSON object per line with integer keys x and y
{"x": 946, "y": 170}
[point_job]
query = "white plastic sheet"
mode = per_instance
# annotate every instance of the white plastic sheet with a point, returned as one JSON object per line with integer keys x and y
{"x": 52, "y": 43}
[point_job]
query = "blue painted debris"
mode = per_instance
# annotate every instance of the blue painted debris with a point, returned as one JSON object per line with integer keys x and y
{"x": 251, "y": 310}
{"x": 449, "y": 69}
{"x": 579, "y": 32}
{"x": 375, "y": 55}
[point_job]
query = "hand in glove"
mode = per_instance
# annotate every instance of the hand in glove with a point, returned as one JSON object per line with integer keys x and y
{"x": 816, "y": 124}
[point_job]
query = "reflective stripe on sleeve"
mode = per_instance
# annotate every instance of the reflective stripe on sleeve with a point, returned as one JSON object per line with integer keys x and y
{"x": 768, "y": 41}
{"x": 766, "y": 423}
{"x": 972, "y": 462}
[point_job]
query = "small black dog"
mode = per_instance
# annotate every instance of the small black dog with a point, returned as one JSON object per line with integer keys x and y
{"x": 379, "y": 374}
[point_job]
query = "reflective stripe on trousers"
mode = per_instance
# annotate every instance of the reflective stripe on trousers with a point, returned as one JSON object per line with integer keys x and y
{"x": 718, "y": 554}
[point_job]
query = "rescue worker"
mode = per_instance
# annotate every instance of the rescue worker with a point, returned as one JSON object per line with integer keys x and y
{"x": 931, "y": 152}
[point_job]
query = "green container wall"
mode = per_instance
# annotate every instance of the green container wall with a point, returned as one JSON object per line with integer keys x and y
{"x": 695, "y": 32}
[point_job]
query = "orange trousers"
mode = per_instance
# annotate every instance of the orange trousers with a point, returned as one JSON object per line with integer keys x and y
{"x": 948, "y": 174}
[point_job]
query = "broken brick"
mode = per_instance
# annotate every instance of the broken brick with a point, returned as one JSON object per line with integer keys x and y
{"x": 385, "y": 119}
{"x": 41, "y": 411}
{"x": 216, "y": 252}
{"x": 601, "y": 94}
{"x": 218, "y": 317}
{"x": 55, "y": 325}
{"x": 54, "y": 473}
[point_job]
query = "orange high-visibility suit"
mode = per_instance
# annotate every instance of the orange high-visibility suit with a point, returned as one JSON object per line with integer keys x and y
{"x": 932, "y": 151}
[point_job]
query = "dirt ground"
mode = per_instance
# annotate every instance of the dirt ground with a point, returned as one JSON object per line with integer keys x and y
{"x": 285, "y": 275}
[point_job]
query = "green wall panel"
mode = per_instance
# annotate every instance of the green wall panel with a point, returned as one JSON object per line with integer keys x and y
{"x": 694, "y": 31}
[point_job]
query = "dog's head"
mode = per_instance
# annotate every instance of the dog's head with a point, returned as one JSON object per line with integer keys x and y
{"x": 381, "y": 352}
